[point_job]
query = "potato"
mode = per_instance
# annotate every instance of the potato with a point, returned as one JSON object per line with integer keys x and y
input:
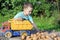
{"x": 40, "y": 39}
{"x": 58, "y": 38}
{"x": 55, "y": 39}
{"x": 28, "y": 38}
{"x": 37, "y": 33}
{"x": 53, "y": 35}
{"x": 34, "y": 37}
{"x": 42, "y": 36}
{"x": 22, "y": 37}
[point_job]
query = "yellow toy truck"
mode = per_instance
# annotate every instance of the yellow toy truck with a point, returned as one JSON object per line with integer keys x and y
{"x": 16, "y": 28}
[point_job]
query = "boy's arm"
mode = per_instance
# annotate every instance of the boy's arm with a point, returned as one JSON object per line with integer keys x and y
{"x": 18, "y": 19}
{"x": 34, "y": 25}
{"x": 17, "y": 16}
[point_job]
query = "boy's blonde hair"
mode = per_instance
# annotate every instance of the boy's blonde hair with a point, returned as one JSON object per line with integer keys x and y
{"x": 27, "y": 5}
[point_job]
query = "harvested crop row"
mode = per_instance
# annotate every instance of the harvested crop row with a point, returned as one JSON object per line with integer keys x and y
{"x": 41, "y": 36}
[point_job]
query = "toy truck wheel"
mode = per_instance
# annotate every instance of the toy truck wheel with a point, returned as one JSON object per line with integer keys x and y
{"x": 24, "y": 34}
{"x": 8, "y": 34}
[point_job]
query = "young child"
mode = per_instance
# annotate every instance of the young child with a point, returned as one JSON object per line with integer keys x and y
{"x": 25, "y": 14}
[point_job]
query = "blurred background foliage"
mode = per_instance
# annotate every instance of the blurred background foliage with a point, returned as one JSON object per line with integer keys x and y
{"x": 45, "y": 13}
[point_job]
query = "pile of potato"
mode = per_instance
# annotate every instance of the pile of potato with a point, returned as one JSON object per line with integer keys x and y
{"x": 41, "y": 36}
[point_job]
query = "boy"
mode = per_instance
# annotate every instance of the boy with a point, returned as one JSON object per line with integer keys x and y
{"x": 25, "y": 14}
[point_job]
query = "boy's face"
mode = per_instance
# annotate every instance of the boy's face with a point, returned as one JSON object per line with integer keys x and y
{"x": 28, "y": 10}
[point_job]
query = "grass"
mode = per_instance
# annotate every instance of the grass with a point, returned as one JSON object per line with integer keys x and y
{"x": 47, "y": 24}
